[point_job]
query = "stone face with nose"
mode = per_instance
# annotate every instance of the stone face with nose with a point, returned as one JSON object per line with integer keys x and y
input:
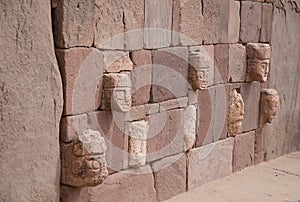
{"x": 235, "y": 113}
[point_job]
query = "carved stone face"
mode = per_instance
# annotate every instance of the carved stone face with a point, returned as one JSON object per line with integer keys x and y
{"x": 236, "y": 113}
{"x": 258, "y": 55}
{"x": 116, "y": 92}
{"x": 269, "y": 106}
{"x": 258, "y": 70}
{"x": 198, "y": 70}
{"x": 83, "y": 160}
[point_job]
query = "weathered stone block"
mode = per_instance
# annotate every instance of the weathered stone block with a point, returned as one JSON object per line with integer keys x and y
{"x": 236, "y": 110}
{"x": 138, "y": 133}
{"x": 83, "y": 160}
{"x": 81, "y": 70}
{"x": 193, "y": 97}
{"x": 170, "y": 176}
{"x": 116, "y": 61}
{"x": 251, "y": 97}
{"x": 191, "y": 22}
{"x": 158, "y": 23}
{"x": 250, "y": 21}
{"x": 243, "y": 152}
{"x": 234, "y": 21}
{"x": 166, "y": 135}
{"x": 153, "y": 108}
{"x": 141, "y": 76}
{"x": 71, "y": 126}
{"x": 266, "y": 23}
{"x": 170, "y": 73}
{"x": 175, "y": 22}
{"x": 269, "y": 104}
{"x": 237, "y": 63}
{"x": 137, "y": 113}
{"x": 112, "y": 126}
{"x": 221, "y": 63}
{"x": 131, "y": 187}
{"x": 73, "y": 23}
{"x": 210, "y": 162}
{"x": 173, "y": 104}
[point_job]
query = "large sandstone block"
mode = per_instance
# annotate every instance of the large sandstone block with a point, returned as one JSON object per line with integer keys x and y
{"x": 243, "y": 152}
{"x": 266, "y": 23}
{"x": 31, "y": 98}
{"x": 112, "y": 126}
{"x": 251, "y": 96}
{"x": 116, "y": 61}
{"x": 165, "y": 137}
{"x": 234, "y": 21}
{"x": 170, "y": 73}
{"x": 259, "y": 146}
{"x": 141, "y": 76}
{"x": 190, "y": 123}
{"x": 250, "y": 21}
{"x": 130, "y": 187}
{"x": 70, "y": 126}
{"x": 158, "y": 24}
{"x": 210, "y": 162}
{"x": 81, "y": 71}
{"x": 170, "y": 176}
{"x": 221, "y": 63}
{"x": 73, "y": 23}
{"x": 237, "y": 63}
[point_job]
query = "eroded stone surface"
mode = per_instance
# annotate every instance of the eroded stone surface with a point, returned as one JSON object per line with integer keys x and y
{"x": 116, "y": 61}
{"x": 235, "y": 113}
{"x": 137, "y": 132}
{"x": 237, "y": 63}
{"x": 83, "y": 160}
{"x": 266, "y": 23}
{"x": 190, "y": 119}
{"x": 268, "y": 106}
{"x": 70, "y": 126}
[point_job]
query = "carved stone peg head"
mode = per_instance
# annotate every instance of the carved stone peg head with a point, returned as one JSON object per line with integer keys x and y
{"x": 258, "y": 58}
{"x": 83, "y": 160}
{"x": 116, "y": 92}
{"x": 235, "y": 113}
{"x": 268, "y": 106}
{"x": 198, "y": 70}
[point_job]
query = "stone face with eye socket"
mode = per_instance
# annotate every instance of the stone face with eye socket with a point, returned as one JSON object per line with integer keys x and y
{"x": 235, "y": 113}
{"x": 269, "y": 104}
{"x": 83, "y": 160}
{"x": 258, "y": 58}
{"x": 198, "y": 70}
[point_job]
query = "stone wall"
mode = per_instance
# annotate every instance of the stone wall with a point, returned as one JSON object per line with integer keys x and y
{"x": 30, "y": 103}
{"x": 167, "y": 85}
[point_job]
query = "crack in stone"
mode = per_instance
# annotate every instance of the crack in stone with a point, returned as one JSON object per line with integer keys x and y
{"x": 285, "y": 172}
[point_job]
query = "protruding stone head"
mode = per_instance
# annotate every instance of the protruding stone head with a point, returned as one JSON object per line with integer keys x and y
{"x": 258, "y": 55}
{"x": 269, "y": 104}
{"x": 83, "y": 160}
{"x": 116, "y": 92}
{"x": 235, "y": 113}
{"x": 198, "y": 70}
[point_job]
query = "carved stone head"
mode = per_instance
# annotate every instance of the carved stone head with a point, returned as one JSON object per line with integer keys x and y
{"x": 198, "y": 70}
{"x": 268, "y": 106}
{"x": 116, "y": 92}
{"x": 83, "y": 160}
{"x": 258, "y": 55}
{"x": 235, "y": 113}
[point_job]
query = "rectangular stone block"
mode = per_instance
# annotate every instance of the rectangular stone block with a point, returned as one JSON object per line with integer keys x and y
{"x": 81, "y": 71}
{"x": 141, "y": 76}
{"x": 116, "y": 61}
{"x": 237, "y": 63}
{"x": 193, "y": 98}
{"x": 71, "y": 126}
{"x": 234, "y": 21}
{"x": 158, "y": 24}
{"x": 130, "y": 187}
{"x": 175, "y": 22}
{"x": 191, "y": 23}
{"x": 166, "y": 136}
{"x": 210, "y": 162}
{"x": 137, "y": 113}
{"x": 170, "y": 74}
{"x": 266, "y": 23}
{"x": 113, "y": 130}
{"x": 73, "y": 23}
{"x": 250, "y": 21}
{"x": 173, "y": 104}
{"x": 243, "y": 152}
{"x": 153, "y": 108}
{"x": 109, "y": 31}
{"x": 251, "y": 95}
{"x": 221, "y": 63}
{"x": 259, "y": 146}
{"x": 170, "y": 176}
